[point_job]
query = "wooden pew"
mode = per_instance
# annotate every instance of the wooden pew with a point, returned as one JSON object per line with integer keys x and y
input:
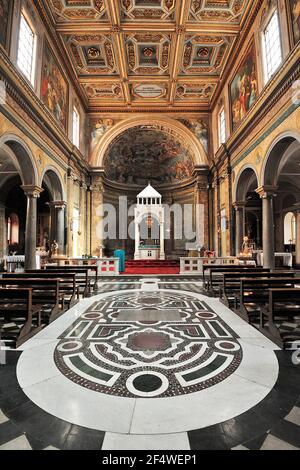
{"x": 254, "y": 294}
{"x": 93, "y": 279}
{"x": 67, "y": 282}
{"x": 213, "y": 275}
{"x": 283, "y": 305}
{"x": 17, "y": 305}
{"x": 45, "y": 292}
{"x": 94, "y": 268}
{"x": 230, "y": 287}
{"x": 83, "y": 278}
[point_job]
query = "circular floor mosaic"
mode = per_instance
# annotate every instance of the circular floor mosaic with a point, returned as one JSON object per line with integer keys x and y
{"x": 148, "y": 345}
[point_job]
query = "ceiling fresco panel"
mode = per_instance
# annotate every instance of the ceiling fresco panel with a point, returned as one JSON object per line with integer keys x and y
{"x": 152, "y": 51}
{"x": 78, "y": 10}
{"x": 92, "y": 54}
{"x": 205, "y": 54}
{"x": 228, "y": 11}
{"x": 201, "y": 90}
{"x": 148, "y": 10}
{"x": 148, "y": 53}
{"x": 104, "y": 91}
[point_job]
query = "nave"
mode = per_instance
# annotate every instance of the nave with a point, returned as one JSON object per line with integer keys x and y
{"x": 149, "y": 226}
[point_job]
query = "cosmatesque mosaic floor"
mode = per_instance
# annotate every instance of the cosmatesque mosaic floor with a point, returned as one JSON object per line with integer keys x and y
{"x": 148, "y": 344}
{"x": 149, "y": 364}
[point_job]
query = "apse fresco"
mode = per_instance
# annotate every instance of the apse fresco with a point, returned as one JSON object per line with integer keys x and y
{"x": 295, "y": 14}
{"x": 142, "y": 155}
{"x": 54, "y": 88}
{"x": 244, "y": 88}
{"x": 5, "y": 10}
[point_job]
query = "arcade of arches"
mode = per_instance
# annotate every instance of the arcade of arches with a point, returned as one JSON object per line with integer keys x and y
{"x": 110, "y": 106}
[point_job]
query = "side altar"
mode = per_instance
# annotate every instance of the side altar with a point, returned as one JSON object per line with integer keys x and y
{"x": 149, "y": 220}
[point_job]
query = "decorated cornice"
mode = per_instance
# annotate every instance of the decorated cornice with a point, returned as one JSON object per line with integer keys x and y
{"x": 133, "y": 189}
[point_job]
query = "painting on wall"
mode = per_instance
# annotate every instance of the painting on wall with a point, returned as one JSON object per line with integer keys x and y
{"x": 141, "y": 155}
{"x": 199, "y": 128}
{"x": 244, "y": 87}
{"x": 54, "y": 88}
{"x": 98, "y": 129}
{"x": 294, "y": 7}
{"x": 5, "y": 18}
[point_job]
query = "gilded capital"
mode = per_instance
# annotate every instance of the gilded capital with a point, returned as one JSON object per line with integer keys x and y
{"x": 267, "y": 191}
{"x": 32, "y": 191}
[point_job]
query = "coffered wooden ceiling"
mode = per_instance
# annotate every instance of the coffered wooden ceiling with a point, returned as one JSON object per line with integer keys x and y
{"x": 148, "y": 54}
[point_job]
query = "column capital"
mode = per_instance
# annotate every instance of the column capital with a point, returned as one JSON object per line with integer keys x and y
{"x": 32, "y": 191}
{"x": 297, "y": 207}
{"x": 239, "y": 205}
{"x": 267, "y": 191}
{"x": 58, "y": 204}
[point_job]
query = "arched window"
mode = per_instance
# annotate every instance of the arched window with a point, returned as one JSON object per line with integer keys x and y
{"x": 271, "y": 42}
{"x": 290, "y": 229}
{"x": 13, "y": 226}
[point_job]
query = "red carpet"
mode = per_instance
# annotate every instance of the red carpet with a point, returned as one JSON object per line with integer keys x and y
{"x": 152, "y": 267}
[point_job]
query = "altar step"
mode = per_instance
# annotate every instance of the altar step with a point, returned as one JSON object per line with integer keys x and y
{"x": 152, "y": 267}
{"x": 152, "y": 262}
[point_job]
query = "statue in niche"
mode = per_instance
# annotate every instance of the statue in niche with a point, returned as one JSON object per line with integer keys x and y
{"x": 54, "y": 248}
{"x": 246, "y": 249}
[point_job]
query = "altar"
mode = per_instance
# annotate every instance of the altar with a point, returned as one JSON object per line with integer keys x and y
{"x": 287, "y": 258}
{"x": 149, "y": 224}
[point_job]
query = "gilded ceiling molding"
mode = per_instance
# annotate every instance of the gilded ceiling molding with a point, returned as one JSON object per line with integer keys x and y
{"x": 158, "y": 122}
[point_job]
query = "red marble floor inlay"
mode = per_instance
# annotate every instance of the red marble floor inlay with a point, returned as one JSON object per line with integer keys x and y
{"x": 150, "y": 341}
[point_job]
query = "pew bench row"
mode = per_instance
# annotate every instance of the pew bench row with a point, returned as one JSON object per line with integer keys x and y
{"x": 267, "y": 300}
{"x": 52, "y": 291}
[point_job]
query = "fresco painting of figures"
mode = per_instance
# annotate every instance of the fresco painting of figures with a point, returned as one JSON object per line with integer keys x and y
{"x": 5, "y": 12}
{"x": 295, "y": 15}
{"x": 244, "y": 88}
{"x": 199, "y": 129}
{"x": 139, "y": 156}
{"x": 54, "y": 88}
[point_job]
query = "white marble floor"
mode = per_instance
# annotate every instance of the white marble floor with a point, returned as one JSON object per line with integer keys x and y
{"x": 147, "y": 423}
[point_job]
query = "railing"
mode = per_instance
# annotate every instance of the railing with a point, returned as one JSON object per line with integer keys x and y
{"x": 195, "y": 265}
{"x": 15, "y": 263}
{"x": 107, "y": 266}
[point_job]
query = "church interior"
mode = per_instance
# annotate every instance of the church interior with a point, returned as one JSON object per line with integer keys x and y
{"x": 149, "y": 225}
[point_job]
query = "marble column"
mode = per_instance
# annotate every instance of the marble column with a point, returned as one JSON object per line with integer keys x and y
{"x": 137, "y": 240}
{"x": 267, "y": 194}
{"x": 3, "y": 234}
{"x": 57, "y": 211}
{"x": 239, "y": 225}
{"x": 298, "y": 238}
{"x": 97, "y": 234}
{"x": 258, "y": 232}
{"x": 32, "y": 193}
{"x": 162, "y": 241}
